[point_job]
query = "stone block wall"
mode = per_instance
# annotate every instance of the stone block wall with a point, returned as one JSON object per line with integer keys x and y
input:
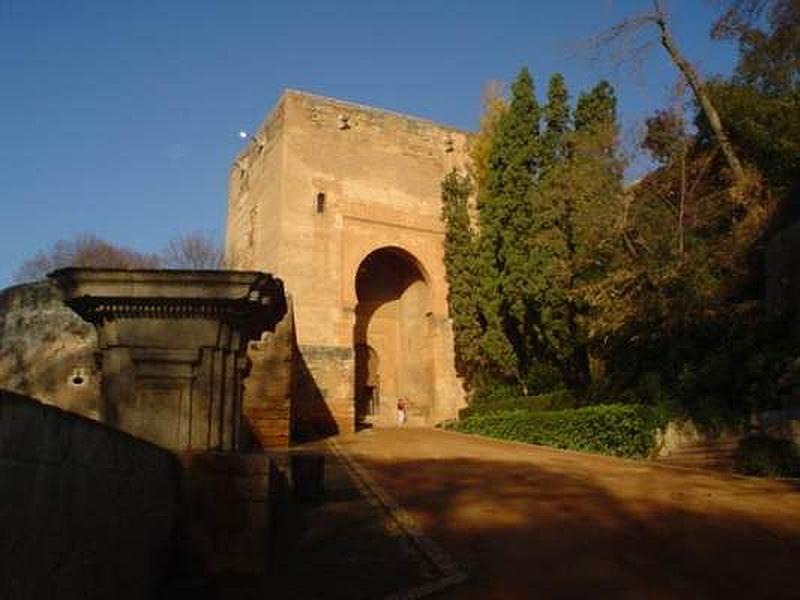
{"x": 46, "y": 350}
{"x": 686, "y": 444}
{"x": 86, "y": 511}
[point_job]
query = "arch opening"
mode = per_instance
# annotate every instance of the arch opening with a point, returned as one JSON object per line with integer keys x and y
{"x": 392, "y": 339}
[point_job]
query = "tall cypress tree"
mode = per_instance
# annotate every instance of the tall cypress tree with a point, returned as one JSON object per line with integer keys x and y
{"x": 513, "y": 159}
{"x": 597, "y": 172}
{"x": 549, "y": 238}
{"x": 574, "y": 210}
{"x": 505, "y": 220}
{"x": 589, "y": 185}
{"x": 461, "y": 266}
{"x": 596, "y": 108}
{"x": 557, "y": 120}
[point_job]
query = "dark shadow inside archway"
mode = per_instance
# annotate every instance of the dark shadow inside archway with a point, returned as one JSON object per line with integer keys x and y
{"x": 391, "y": 338}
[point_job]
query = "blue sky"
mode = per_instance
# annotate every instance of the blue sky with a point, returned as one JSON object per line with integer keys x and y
{"x": 120, "y": 118}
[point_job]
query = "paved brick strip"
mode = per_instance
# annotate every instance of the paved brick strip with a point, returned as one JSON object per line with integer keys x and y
{"x": 450, "y": 573}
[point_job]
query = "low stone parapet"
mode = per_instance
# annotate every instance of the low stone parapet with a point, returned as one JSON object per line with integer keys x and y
{"x": 685, "y": 443}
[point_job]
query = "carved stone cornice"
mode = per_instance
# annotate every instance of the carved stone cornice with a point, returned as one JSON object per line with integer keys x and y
{"x": 249, "y": 300}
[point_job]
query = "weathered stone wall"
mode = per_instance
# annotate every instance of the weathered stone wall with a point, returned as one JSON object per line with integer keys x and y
{"x": 267, "y": 398}
{"x": 85, "y": 511}
{"x": 328, "y": 183}
{"x": 686, "y": 444}
{"x": 46, "y": 350}
{"x": 254, "y": 199}
{"x": 285, "y": 392}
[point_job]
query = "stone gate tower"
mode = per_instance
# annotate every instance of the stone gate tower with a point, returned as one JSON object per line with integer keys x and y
{"x": 342, "y": 202}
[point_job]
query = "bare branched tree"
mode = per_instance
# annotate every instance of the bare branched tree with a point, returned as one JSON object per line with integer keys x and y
{"x": 630, "y": 41}
{"x": 84, "y": 250}
{"x": 196, "y": 250}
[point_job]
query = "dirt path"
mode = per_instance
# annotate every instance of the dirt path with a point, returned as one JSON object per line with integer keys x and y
{"x": 527, "y": 521}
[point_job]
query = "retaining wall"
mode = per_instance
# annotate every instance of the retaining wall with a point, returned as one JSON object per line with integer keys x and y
{"x": 86, "y": 512}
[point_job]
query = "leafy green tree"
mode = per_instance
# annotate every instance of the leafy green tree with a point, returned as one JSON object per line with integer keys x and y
{"x": 761, "y": 102}
{"x": 769, "y": 59}
{"x": 548, "y": 215}
{"x": 665, "y": 134}
{"x": 765, "y": 128}
{"x": 668, "y": 142}
{"x": 462, "y": 274}
{"x": 574, "y": 237}
{"x": 548, "y": 243}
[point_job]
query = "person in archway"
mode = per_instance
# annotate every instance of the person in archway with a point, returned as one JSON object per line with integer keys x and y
{"x": 401, "y": 411}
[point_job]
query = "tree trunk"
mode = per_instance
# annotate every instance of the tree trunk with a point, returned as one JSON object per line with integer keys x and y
{"x": 700, "y": 93}
{"x": 682, "y": 208}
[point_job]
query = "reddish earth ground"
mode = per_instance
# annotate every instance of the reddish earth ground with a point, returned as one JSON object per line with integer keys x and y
{"x": 526, "y": 521}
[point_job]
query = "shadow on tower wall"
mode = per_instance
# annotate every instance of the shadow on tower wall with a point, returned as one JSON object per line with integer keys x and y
{"x": 311, "y": 417}
{"x": 283, "y": 402}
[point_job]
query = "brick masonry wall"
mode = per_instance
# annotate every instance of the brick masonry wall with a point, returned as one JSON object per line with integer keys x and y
{"x": 323, "y": 184}
{"x": 267, "y": 400}
{"x": 87, "y": 511}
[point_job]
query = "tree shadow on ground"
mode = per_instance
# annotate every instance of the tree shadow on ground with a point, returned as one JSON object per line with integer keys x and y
{"x": 521, "y": 530}
{"x": 343, "y": 547}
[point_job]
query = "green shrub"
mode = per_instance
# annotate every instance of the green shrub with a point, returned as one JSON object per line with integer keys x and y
{"x": 557, "y": 400}
{"x": 502, "y": 402}
{"x": 615, "y": 429}
{"x": 765, "y": 456}
{"x": 543, "y": 378}
{"x": 495, "y": 394}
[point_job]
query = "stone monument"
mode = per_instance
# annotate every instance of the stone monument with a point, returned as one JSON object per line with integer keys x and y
{"x": 172, "y": 348}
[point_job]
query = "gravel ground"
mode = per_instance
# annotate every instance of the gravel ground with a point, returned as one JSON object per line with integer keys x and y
{"x": 531, "y": 522}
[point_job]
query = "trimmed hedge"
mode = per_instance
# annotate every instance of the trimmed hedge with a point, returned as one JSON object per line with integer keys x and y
{"x": 616, "y": 429}
{"x": 500, "y": 402}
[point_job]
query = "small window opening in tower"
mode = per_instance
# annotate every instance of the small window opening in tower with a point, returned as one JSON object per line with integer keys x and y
{"x": 320, "y": 203}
